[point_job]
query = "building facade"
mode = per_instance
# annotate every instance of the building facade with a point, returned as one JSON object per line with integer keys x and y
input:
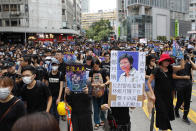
{"x": 89, "y": 18}
{"x": 39, "y": 16}
{"x": 192, "y": 14}
{"x": 151, "y": 18}
{"x": 85, "y": 6}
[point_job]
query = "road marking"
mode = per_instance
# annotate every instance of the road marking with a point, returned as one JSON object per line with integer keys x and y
{"x": 194, "y": 94}
{"x": 191, "y": 115}
{"x": 147, "y": 114}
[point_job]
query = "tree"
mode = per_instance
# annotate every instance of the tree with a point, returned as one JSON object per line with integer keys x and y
{"x": 100, "y": 30}
{"x": 162, "y": 38}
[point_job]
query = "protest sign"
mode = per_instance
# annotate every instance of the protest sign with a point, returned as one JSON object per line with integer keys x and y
{"x": 76, "y": 77}
{"x": 127, "y": 76}
{"x": 143, "y": 41}
{"x": 177, "y": 52}
{"x": 69, "y": 57}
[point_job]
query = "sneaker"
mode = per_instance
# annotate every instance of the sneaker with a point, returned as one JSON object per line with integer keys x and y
{"x": 177, "y": 114}
{"x": 187, "y": 121}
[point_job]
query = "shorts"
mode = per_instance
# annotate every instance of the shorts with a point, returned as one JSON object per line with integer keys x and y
{"x": 146, "y": 85}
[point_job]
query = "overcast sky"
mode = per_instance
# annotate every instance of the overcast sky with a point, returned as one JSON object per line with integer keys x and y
{"x": 96, "y": 5}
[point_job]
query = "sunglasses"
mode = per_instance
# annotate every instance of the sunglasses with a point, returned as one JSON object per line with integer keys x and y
{"x": 168, "y": 60}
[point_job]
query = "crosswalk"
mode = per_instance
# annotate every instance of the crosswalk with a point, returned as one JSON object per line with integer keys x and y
{"x": 191, "y": 116}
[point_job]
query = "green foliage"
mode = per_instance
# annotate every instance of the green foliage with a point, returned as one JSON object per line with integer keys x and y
{"x": 162, "y": 38}
{"x": 100, "y": 30}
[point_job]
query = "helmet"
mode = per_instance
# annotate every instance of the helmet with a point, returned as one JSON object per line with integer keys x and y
{"x": 61, "y": 109}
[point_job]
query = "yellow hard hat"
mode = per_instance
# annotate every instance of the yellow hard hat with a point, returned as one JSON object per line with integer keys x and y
{"x": 61, "y": 109}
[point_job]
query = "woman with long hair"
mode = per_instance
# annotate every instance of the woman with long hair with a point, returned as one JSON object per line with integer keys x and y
{"x": 150, "y": 66}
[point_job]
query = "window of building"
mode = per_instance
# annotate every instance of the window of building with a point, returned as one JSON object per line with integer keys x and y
{"x": 0, "y": 22}
{"x": 7, "y": 23}
{"x": 5, "y": 7}
{"x": 13, "y": 7}
{"x": 14, "y": 23}
{"x": 18, "y": 7}
{"x": 192, "y": 20}
{"x": 63, "y": 1}
{"x": 0, "y": 8}
{"x": 63, "y": 11}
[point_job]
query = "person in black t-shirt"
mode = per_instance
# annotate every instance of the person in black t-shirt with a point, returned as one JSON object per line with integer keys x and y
{"x": 41, "y": 72}
{"x": 183, "y": 85}
{"x": 55, "y": 83}
{"x": 62, "y": 66}
{"x": 88, "y": 65}
{"x": 10, "y": 103}
{"x": 99, "y": 80}
{"x": 81, "y": 115}
{"x": 15, "y": 77}
{"x": 35, "y": 94}
{"x": 121, "y": 116}
{"x": 106, "y": 64}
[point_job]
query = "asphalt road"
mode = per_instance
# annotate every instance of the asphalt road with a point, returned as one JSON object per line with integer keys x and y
{"x": 141, "y": 122}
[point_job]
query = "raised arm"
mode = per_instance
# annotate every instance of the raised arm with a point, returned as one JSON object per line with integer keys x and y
{"x": 193, "y": 64}
{"x": 180, "y": 67}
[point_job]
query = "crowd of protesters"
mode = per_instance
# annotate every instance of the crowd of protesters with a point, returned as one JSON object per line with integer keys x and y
{"x": 33, "y": 82}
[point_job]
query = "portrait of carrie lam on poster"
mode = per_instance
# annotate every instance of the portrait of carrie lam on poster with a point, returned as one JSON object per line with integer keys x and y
{"x": 127, "y": 76}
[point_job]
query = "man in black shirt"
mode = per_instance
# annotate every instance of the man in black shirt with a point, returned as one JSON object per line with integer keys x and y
{"x": 15, "y": 77}
{"x": 183, "y": 85}
{"x": 35, "y": 94}
{"x": 55, "y": 82}
{"x": 88, "y": 65}
{"x": 62, "y": 66}
{"x": 41, "y": 72}
{"x": 106, "y": 64}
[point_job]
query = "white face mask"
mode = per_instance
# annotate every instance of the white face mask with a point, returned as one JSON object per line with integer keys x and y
{"x": 4, "y": 93}
{"x": 55, "y": 68}
{"x": 27, "y": 80}
{"x": 47, "y": 62}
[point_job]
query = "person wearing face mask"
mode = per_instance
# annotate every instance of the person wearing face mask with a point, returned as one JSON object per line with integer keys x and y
{"x": 11, "y": 108}
{"x": 11, "y": 73}
{"x": 55, "y": 82}
{"x": 35, "y": 94}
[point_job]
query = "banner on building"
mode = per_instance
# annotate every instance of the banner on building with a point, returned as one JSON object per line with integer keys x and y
{"x": 76, "y": 77}
{"x": 176, "y": 28}
{"x": 127, "y": 75}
